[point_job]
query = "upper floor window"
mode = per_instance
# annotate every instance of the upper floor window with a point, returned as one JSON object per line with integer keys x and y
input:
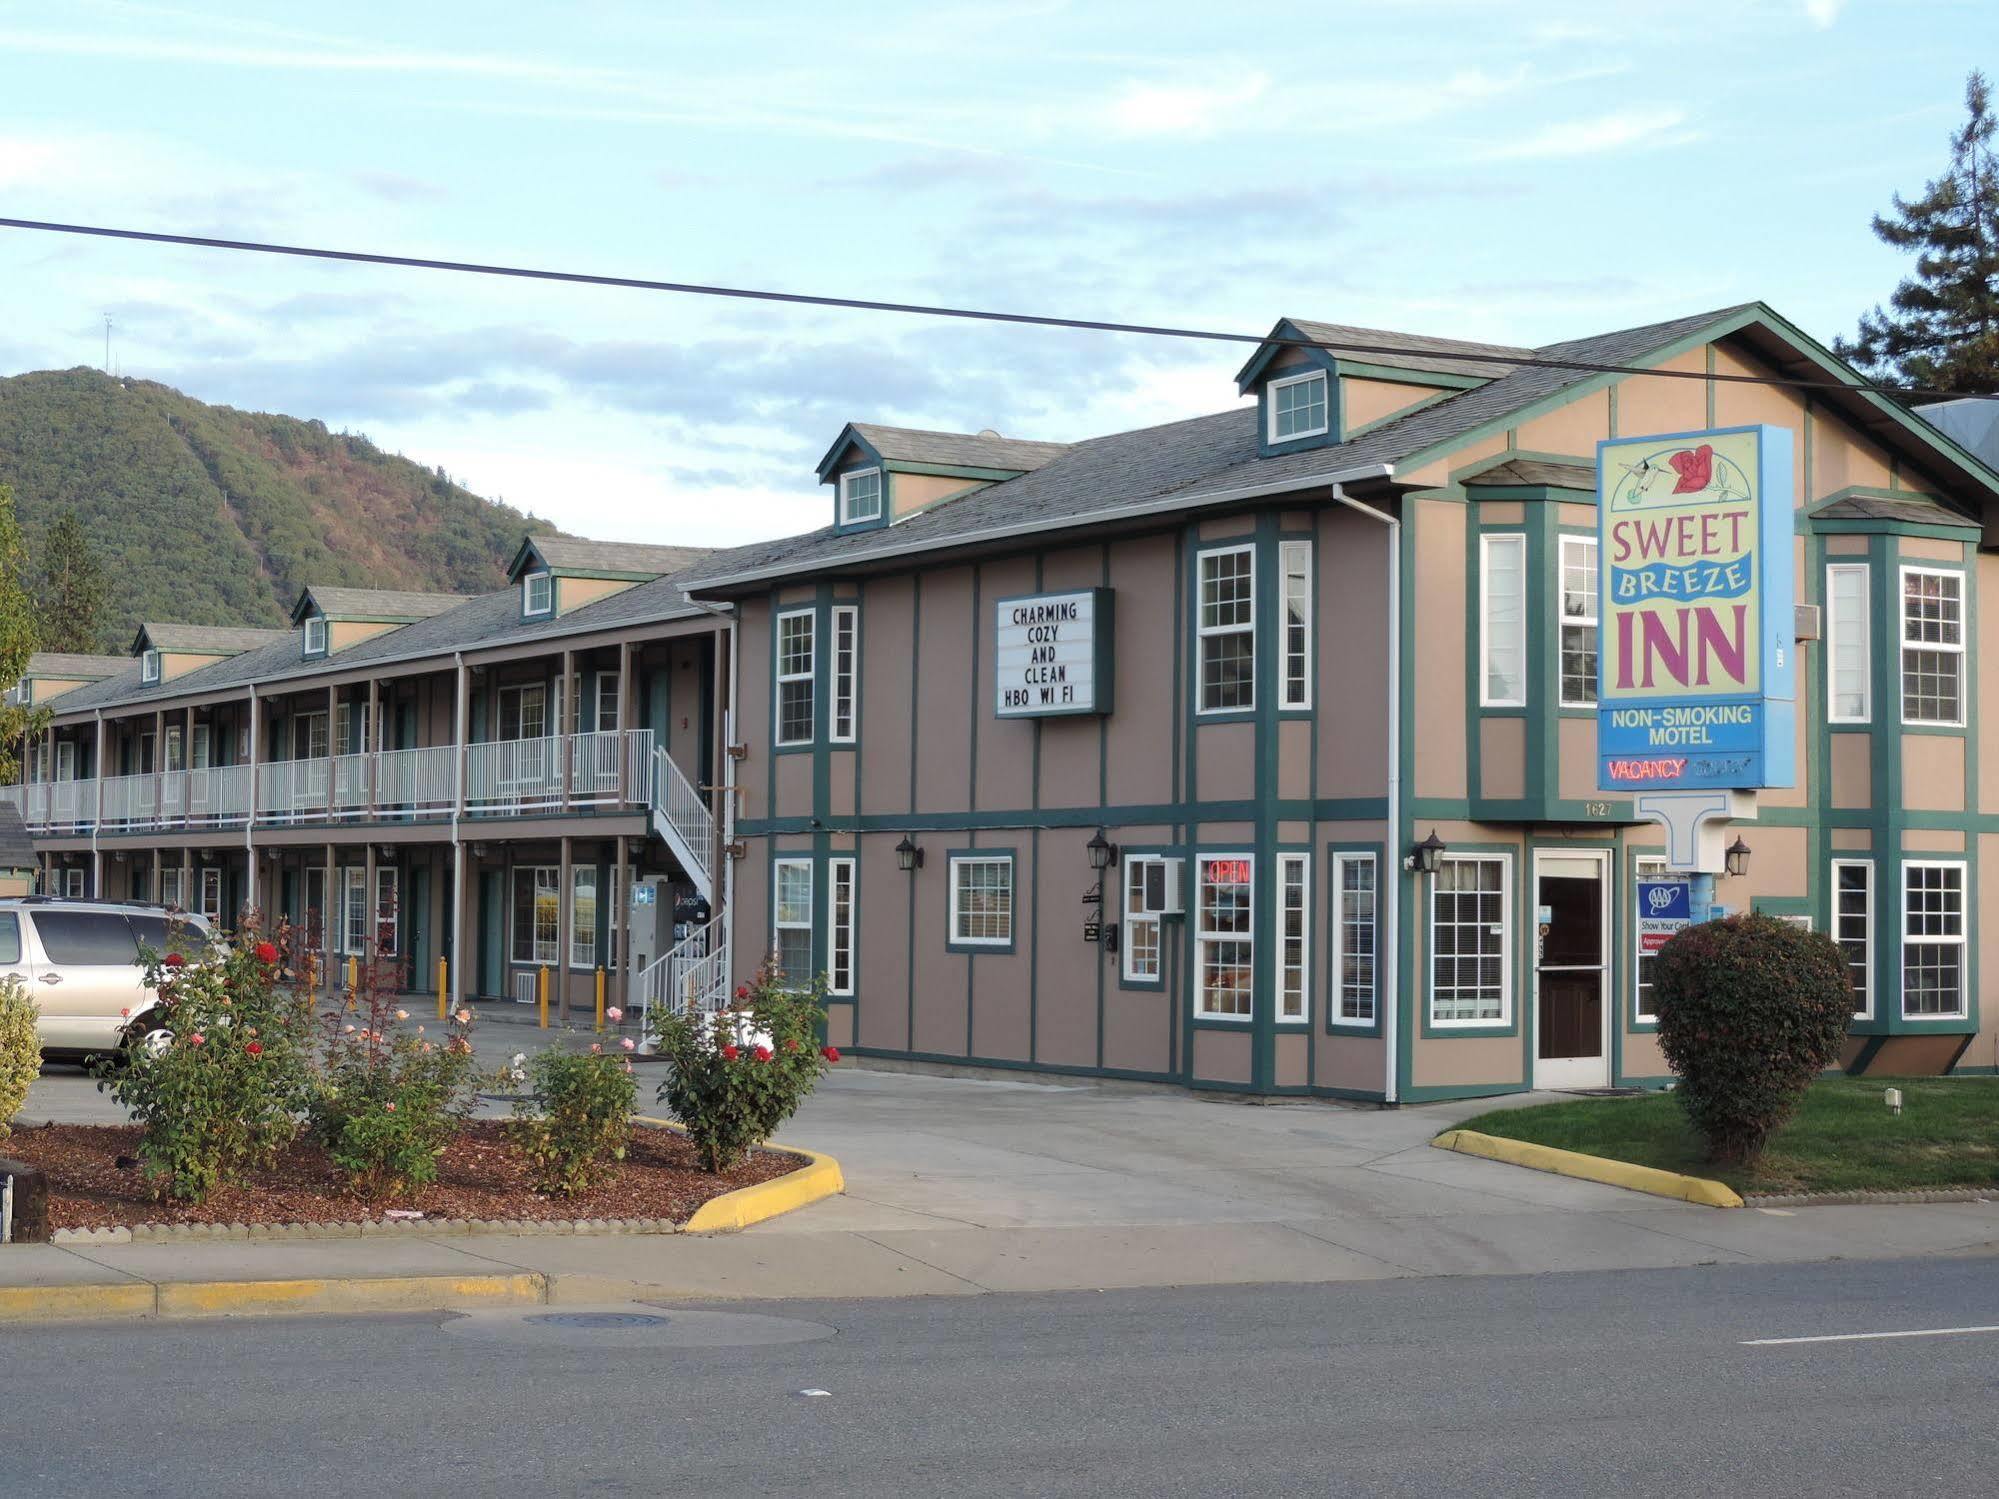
{"x": 315, "y": 635}
{"x": 1227, "y": 629}
{"x": 149, "y": 666}
{"x": 1298, "y": 407}
{"x": 1849, "y": 695}
{"x": 1502, "y": 611}
{"x": 860, "y": 496}
{"x": 795, "y": 650}
{"x": 1294, "y": 559}
{"x": 846, "y": 671}
{"x": 537, "y": 593}
{"x": 1932, "y": 646}
{"x": 1579, "y": 621}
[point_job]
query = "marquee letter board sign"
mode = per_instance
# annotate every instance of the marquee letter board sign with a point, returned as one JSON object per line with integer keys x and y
{"x": 1052, "y": 654}
{"x": 1696, "y": 664}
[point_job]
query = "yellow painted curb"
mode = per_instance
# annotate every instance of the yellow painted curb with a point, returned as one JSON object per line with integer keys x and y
{"x": 819, "y": 1177}
{"x": 390, "y": 1293}
{"x": 1596, "y": 1168}
{"x": 128, "y": 1298}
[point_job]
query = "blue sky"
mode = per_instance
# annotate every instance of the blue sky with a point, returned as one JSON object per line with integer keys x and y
{"x": 1519, "y": 171}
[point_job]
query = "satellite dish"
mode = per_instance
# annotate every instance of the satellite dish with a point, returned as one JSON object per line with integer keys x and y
{"x": 987, "y": 432}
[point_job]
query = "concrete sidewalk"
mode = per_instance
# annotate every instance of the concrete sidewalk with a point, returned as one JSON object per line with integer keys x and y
{"x": 957, "y": 1186}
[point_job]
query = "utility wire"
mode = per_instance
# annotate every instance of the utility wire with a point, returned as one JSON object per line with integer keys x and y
{"x": 973, "y": 314}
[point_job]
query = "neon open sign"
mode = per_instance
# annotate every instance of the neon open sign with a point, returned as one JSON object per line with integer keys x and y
{"x": 1696, "y": 676}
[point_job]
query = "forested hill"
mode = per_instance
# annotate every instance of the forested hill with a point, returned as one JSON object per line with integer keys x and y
{"x": 205, "y": 514}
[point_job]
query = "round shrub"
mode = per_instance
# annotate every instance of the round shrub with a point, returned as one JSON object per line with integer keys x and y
{"x": 574, "y": 1123}
{"x": 20, "y": 1048}
{"x": 1751, "y": 1009}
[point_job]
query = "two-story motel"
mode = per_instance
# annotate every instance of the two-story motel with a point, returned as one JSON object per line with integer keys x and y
{"x": 1254, "y": 752}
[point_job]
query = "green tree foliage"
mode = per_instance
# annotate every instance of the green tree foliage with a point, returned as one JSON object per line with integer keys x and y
{"x": 70, "y": 588}
{"x": 1941, "y": 329}
{"x": 17, "y": 639}
{"x": 210, "y": 515}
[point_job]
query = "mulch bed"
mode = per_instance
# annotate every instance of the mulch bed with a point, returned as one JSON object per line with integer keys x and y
{"x": 480, "y": 1175}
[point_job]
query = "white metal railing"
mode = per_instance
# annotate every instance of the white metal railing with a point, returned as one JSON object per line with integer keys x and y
{"x": 513, "y": 775}
{"x": 291, "y": 790}
{"x": 416, "y": 782}
{"x": 675, "y": 798}
{"x": 691, "y": 976}
{"x": 352, "y": 796}
{"x": 596, "y": 766}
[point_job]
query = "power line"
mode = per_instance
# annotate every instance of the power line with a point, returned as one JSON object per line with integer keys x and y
{"x": 973, "y": 314}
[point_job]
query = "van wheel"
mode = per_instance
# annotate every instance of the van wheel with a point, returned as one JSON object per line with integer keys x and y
{"x": 146, "y": 1039}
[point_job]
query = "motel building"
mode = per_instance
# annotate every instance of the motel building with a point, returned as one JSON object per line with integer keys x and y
{"x": 498, "y": 793}
{"x": 1257, "y": 752}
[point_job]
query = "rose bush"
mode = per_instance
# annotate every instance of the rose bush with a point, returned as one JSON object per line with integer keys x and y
{"x": 226, "y": 1088}
{"x": 739, "y": 1073}
{"x": 20, "y": 1048}
{"x": 576, "y": 1119}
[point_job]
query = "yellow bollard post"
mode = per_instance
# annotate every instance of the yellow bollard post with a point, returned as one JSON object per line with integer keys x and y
{"x": 600, "y": 999}
{"x": 443, "y": 986}
{"x": 541, "y": 987}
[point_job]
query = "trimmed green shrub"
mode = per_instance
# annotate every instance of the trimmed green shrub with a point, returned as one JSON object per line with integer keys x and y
{"x": 574, "y": 1124}
{"x": 739, "y": 1073}
{"x": 20, "y": 1049}
{"x": 1751, "y": 1009}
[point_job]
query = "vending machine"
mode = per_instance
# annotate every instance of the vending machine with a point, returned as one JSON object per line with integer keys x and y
{"x": 649, "y": 920}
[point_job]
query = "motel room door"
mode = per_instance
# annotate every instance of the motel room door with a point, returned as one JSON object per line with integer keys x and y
{"x": 1571, "y": 970}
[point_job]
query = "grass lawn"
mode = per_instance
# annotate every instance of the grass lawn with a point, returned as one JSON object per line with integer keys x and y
{"x": 1842, "y": 1139}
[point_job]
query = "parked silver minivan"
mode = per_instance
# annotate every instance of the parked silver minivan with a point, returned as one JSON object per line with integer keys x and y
{"x": 82, "y": 965}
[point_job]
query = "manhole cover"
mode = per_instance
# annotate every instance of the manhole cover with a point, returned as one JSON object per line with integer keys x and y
{"x": 598, "y": 1319}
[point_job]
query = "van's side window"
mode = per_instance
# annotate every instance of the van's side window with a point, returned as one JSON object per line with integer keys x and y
{"x": 10, "y": 937}
{"x": 89, "y": 938}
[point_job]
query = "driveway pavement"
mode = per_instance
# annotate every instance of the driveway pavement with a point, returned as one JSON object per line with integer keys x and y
{"x": 961, "y": 1185}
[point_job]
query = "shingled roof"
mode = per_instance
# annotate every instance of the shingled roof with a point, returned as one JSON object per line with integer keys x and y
{"x": 1535, "y": 473}
{"x": 71, "y": 666}
{"x": 617, "y": 559}
{"x": 207, "y": 640}
{"x": 372, "y": 604}
{"x": 1912, "y": 509}
{"x": 958, "y": 449}
{"x": 1413, "y": 351}
{"x": 17, "y": 850}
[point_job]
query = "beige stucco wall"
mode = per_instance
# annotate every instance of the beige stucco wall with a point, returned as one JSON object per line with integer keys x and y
{"x": 909, "y": 493}
{"x": 1364, "y": 401}
{"x": 1437, "y": 532}
{"x": 574, "y": 593}
{"x": 341, "y": 633}
{"x": 1933, "y": 772}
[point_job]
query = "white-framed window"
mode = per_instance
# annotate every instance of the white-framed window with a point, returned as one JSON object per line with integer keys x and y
{"x": 1294, "y": 937}
{"x": 1226, "y": 629}
{"x": 1853, "y": 927}
{"x": 860, "y": 496}
{"x": 315, "y": 634}
{"x": 1294, "y": 567}
{"x": 840, "y": 926}
{"x": 846, "y": 671}
{"x": 791, "y": 918}
{"x": 1298, "y": 406}
{"x": 1932, "y": 939}
{"x": 1471, "y": 940}
{"x": 353, "y": 909}
{"x": 1932, "y": 646}
{"x": 211, "y": 894}
{"x": 583, "y": 916}
{"x": 1849, "y": 663}
{"x": 607, "y": 702}
{"x": 172, "y": 892}
{"x": 537, "y": 593}
{"x": 1643, "y": 1008}
{"x": 1502, "y": 621}
{"x": 149, "y": 666}
{"x": 524, "y": 711}
{"x": 537, "y": 913}
{"x": 388, "y": 908}
{"x": 1224, "y": 936}
{"x": 982, "y": 900}
{"x": 1355, "y": 937}
{"x": 66, "y": 760}
{"x": 72, "y": 884}
{"x": 1141, "y": 950}
{"x": 796, "y": 630}
{"x": 309, "y": 732}
{"x": 1578, "y": 643}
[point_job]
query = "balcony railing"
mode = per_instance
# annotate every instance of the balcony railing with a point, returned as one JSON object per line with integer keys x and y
{"x": 505, "y": 778}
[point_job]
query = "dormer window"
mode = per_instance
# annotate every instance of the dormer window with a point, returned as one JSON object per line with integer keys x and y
{"x": 537, "y": 593}
{"x": 1298, "y": 407}
{"x": 149, "y": 666}
{"x": 860, "y": 496}
{"x": 315, "y": 635}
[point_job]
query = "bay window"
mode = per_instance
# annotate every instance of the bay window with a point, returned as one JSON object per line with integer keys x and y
{"x": 796, "y": 633}
{"x": 1579, "y": 621}
{"x": 1354, "y": 938}
{"x": 1294, "y": 565}
{"x": 1932, "y": 939}
{"x": 791, "y": 919}
{"x": 840, "y": 926}
{"x": 1849, "y": 688}
{"x": 1224, "y": 936}
{"x": 1932, "y": 646}
{"x": 1470, "y": 941}
{"x": 1226, "y": 630}
{"x": 1502, "y": 616}
{"x": 1853, "y": 926}
{"x": 1294, "y": 916}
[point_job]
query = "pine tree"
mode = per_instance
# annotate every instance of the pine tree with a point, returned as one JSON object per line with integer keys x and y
{"x": 1942, "y": 331}
{"x": 70, "y": 590}
{"x": 17, "y": 639}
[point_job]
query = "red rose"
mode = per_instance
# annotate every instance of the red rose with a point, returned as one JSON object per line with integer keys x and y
{"x": 174, "y": 960}
{"x": 266, "y": 953}
{"x": 255, "y": 1048}
{"x": 764, "y": 1053}
{"x": 729, "y": 1053}
{"x": 830, "y": 1053}
{"x": 742, "y": 991}
{"x": 791, "y": 1043}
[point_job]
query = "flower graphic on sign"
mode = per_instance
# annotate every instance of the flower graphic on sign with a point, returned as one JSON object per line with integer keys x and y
{"x": 1695, "y": 466}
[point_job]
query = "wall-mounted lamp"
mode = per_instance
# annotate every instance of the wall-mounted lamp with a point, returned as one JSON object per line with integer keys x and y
{"x": 908, "y": 856}
{"x": 1424, "y": 857}
{"x": 1737, "y": 856}
{"x": 736, "y": 849}
{"x": 1103, "y": 852}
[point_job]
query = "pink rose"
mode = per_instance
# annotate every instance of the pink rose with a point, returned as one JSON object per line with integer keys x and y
{"x": 628, "y": 1043}
{"x": 196, "y": 1039}
{"x": 390, "y": 1107}
{"x": 614, "y": 1014}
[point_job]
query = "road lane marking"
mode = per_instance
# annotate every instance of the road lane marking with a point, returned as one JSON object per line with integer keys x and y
{"x": 1867, "y": 1337}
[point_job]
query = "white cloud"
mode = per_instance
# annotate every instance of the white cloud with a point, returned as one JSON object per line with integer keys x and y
{"x": 1629, "y": 129}
{"x": 1154, "y": 109}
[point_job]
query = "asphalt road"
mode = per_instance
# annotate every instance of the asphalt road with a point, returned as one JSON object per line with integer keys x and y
{"x": 1584, "y": 1384}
